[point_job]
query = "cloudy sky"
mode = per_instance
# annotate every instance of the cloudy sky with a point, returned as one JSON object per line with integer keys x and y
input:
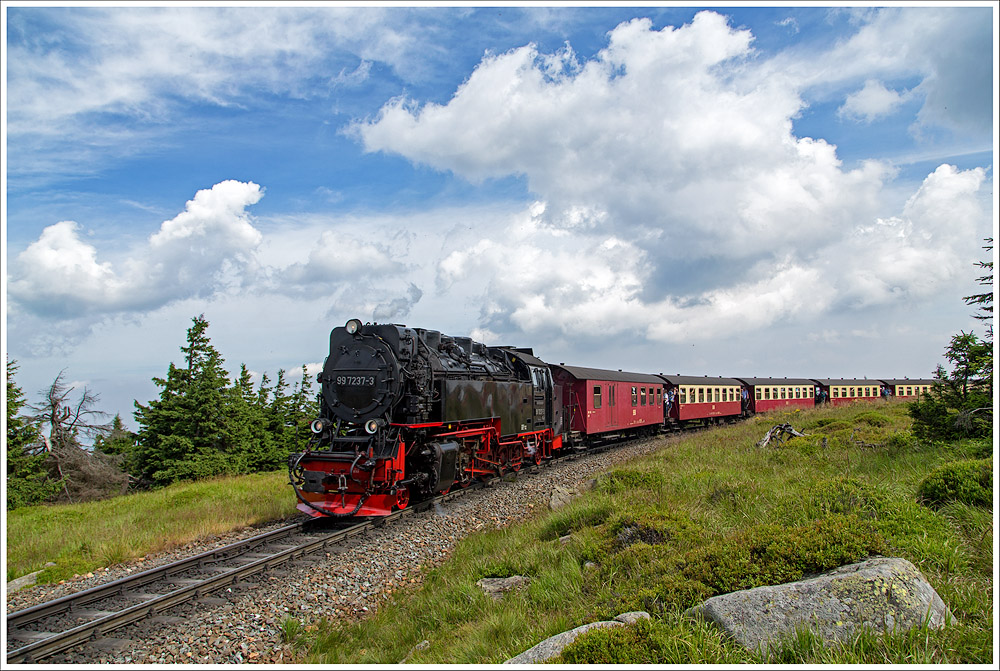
{"x": 783, "y": 191}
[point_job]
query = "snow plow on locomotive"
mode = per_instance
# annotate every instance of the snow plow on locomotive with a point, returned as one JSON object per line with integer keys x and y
{"x": 409, "y": 412}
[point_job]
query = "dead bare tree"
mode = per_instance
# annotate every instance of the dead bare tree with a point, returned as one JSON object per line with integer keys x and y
{"x": 85, "y": 474}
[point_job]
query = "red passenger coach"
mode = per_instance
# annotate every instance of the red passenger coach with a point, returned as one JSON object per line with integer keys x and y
{"x": 779, "y": 393}
{"x": 707, "y": 400}
{"x": 845, "y": 391}
{"x": 605, "y": 401}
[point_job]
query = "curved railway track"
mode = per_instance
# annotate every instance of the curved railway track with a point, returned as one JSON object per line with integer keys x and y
{"x": 88, "y": 616}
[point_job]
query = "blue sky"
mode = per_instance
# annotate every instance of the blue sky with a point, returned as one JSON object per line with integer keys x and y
{"x": 772, "y": 191}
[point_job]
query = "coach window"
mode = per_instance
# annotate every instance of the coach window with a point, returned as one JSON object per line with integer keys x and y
{"x": 767, "y": 393}
{"x": 810, "y": 390}
{"x": 682, "y": 395}
{"x": 757, "y": 394}
{"x": 611, "y": 395}
{"x": 597, "y": 397}
{"x": 642, "y": 396}
{"x": 835, "y": 392}
{"x": 909, "y": 391}
{"x": 659, "y": 396}
{"x": 635, "y": 396}
{"x": 701, "y": 394}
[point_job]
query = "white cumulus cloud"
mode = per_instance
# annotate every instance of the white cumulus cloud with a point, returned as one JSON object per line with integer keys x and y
{"x": 209, "y": 244}
{"x": 872, "y": 102}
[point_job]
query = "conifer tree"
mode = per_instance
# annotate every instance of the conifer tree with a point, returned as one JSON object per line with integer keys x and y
{"x": 28, "y": 481}
{"x": 188, "y": 432}
{"x": 961, "y": 404}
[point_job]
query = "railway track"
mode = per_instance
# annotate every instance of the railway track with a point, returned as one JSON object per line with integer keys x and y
{"x": 87, "y": 617}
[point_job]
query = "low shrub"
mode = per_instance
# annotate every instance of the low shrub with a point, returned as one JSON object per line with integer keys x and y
{"x": 632, "y": 644}
{"x": 652, "y": 527}
{"x": 832, "y": 427}
{"x": 848, "y": 496}
{"x": 901, "y": 441}
{"x": 872, "y": 418}
{"x": 769, "y": 554}
{"x": 968, "y": 481}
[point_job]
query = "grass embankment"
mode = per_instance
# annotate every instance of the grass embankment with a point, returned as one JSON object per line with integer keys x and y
{"x": 709, "y": 514}
{"x": 80, "y": 538}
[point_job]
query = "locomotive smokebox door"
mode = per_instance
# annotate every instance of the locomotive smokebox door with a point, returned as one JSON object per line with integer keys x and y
{"x": 444, "y": 458}
{"x": 361, "y": 377}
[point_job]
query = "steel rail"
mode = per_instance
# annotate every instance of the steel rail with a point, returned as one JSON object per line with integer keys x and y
{"x": 101, "y": 626}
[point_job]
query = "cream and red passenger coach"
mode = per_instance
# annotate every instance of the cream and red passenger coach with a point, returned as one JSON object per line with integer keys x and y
{"x": 848, "y": 390}
{"x": 907, "y": 388}
{"x": 702, "y": 399}
{"x": 774, "y": 393}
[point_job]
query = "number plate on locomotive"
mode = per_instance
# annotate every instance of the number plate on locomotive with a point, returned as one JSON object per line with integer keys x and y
{"x": 355, "y": 380}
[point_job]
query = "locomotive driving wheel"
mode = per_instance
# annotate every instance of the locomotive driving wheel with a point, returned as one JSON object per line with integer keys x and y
{"x": 402, "y": 498}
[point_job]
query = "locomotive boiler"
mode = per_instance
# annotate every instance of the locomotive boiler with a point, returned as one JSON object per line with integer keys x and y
{"x": 408, "y": 413}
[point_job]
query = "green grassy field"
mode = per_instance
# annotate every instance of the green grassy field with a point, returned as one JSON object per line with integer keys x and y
{"x": 709, "y": 513}
{"x": 80, "y": 538}
{"x": 705, "y": 515}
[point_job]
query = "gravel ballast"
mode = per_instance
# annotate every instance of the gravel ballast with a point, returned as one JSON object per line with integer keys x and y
{"x": 244, "y": 625}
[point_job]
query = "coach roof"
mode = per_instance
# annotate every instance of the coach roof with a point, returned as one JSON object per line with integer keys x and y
{"x": 581, "y": 373}
{"x": 775, "y": 381}
{"x": 702, "y": 380}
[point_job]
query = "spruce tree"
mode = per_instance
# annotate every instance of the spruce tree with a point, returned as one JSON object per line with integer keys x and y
{"x": 28, "y": 481}
{"x": 189, "y": 431}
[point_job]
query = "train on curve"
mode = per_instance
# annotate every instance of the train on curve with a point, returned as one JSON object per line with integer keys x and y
{"x": 407, "y": 413}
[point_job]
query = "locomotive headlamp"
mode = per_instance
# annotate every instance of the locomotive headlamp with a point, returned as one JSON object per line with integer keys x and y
{"x": 373, "y": 425}
{"x": 353, "y": 326}
{"x": 318, "y": 425}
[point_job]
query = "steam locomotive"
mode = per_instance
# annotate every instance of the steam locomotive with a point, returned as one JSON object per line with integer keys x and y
{"x": 410, "y": 413}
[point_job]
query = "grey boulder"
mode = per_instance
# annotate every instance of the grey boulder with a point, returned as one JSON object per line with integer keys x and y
{"x": 881, "y": 594}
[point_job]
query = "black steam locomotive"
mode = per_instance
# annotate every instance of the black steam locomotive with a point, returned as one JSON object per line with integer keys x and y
{"x": 409, "y": 411}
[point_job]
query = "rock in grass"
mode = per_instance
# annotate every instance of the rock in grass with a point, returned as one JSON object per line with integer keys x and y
{"x": 632, "y": 617}
{"x": 497, "y": 587}
{"x": 561, "y": 496}
{"x": 551, "y": 647}
{"x": 881, "y": 594}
